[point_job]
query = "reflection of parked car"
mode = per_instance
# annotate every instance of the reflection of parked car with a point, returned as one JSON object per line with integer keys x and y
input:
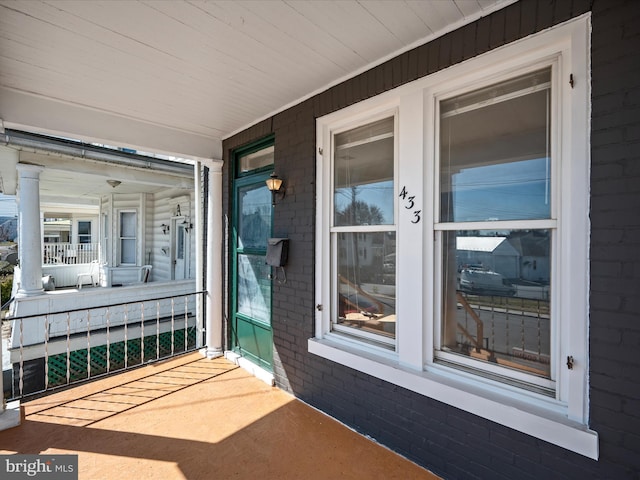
{"x": 485, "y": 282}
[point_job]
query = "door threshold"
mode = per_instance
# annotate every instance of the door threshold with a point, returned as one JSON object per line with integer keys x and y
{"x": 255, "y": 370}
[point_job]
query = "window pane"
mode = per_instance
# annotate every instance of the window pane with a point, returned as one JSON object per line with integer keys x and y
{"x": 367, "y": 282}
{"x": 128, "y": 224}
{"x": 128, "y": 250}
{"x": 84, "y": 228}
{"x": 363, "y": 175}
{"x": 259, "y": 159}
{"x": 254, "y": 288}
{"x": 494, "y": 152}
{"x": 496, "y": 297}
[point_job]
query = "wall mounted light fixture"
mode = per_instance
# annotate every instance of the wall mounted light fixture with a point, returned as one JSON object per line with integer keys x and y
{"x": 187, "y": 225}
{"x": 274, "y": 184}
{"x": 165, "y": 228}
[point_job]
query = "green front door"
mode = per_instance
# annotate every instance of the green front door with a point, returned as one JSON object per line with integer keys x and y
{"x": 251, "y": 320}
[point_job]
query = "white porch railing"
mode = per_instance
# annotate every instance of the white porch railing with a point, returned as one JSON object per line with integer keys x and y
{"x": 70, "y": 253}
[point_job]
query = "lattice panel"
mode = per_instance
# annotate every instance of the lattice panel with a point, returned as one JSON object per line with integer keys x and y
{"x": 78, "y": 359}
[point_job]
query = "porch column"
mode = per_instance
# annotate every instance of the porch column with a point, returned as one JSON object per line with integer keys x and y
{"x": 213, "y": 307}
{"x": 29, "y": 230}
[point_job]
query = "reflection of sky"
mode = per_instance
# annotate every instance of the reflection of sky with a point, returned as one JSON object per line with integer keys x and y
{"x": 508, "y": 191}
{"x": 378, "y": 194}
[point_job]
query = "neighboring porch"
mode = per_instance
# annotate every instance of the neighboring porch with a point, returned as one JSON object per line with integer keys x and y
{"x": 194, "y": 418}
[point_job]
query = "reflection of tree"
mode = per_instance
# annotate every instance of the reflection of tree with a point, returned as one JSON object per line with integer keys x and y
{"x": 255, "y": 230}
{"x": 359, "y": 213}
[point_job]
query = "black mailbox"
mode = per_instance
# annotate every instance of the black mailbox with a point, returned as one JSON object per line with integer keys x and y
{"x": 277, "y": 251}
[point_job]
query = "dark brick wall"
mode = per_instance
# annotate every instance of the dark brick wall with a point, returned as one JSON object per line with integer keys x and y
{"x": 450, "y": 442}
{"x": 615, "y": 233}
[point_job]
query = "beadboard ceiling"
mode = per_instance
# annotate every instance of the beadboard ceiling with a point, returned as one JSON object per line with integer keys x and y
{"x": 179, "y": 76}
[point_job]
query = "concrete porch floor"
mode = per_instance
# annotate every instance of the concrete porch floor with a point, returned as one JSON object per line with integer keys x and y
{"x": 193, "y": 418}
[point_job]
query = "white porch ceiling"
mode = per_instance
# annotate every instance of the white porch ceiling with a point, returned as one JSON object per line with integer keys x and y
{"x": 179, "y": 76}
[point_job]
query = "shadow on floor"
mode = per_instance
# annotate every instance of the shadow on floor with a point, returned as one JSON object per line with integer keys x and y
{"x": 193, "y": 419}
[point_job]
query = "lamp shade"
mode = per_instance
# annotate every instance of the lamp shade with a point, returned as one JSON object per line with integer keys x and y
{"x": 274, "y": 183}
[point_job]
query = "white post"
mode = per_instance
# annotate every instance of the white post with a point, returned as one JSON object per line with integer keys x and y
{"x": 198, "y": 222}
{"x": 29, "y": 230}
{"x": 9, "y": 413}
{"x": 213, "y": 306}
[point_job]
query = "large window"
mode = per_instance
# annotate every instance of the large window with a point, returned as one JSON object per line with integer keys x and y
{"x": 363, "y": 234}
{"x": 496, "y": 167}
{"x": 452, "y": 237}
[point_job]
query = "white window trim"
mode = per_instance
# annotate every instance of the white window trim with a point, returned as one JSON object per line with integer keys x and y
{"x": 561, "y": 422}
{"x": 120, "y": 237}
{"x": 358, "y": 229}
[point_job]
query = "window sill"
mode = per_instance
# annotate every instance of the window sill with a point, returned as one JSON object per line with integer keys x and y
{"x": 526, "y": 417}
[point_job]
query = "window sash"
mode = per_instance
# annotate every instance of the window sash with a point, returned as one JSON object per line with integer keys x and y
{"x": 373, "y": 327}
{"x": 515, "y": 86}
{"x": 128, "y": 238}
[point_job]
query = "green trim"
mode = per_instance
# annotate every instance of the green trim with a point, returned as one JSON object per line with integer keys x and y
{"x": 252, "y": 147}
{"x": 253, "y": 332}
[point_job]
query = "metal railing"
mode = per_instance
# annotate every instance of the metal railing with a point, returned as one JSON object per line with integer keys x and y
{"x": 88, "y": 343}
{"x": 511, "y": 331}
{"x": 69, "y": 253}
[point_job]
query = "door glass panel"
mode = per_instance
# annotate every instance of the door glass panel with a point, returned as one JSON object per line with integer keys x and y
{"x": 180, "y": 243}
{"x": 254, "y": 288}
{"x": 363, "y": 175}
{"x": 496, "y": 297}
{"x": 494, "y": 152}
{"x": 254, "y": 224}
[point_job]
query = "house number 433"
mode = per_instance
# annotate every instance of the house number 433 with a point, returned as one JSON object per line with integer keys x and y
{"x": 409, "y": 204}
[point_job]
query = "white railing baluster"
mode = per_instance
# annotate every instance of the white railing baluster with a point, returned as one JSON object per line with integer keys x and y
{"x": 88, "y": 343}
{"x": 506, "y": 329}
{"x": 142, "y": 332}
{"x": 108, "y": 315}
{"x": 21, "y": 371}
{"x": 522, "y": 326}
{"x": 172, "y": 326}
{"x": 539, "y": 328}
{"x": 126, "y": 339}
{"x": 186, "y": 323}
{"x": 69, "y": 253}
{"x": 157, "y": 329}
{"x": 68, "y": 374}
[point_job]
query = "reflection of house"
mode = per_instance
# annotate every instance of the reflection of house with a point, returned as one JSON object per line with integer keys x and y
{"x": 518, "y": 256}
{"x": 533, "y": 252}
{"x": 493, "y": 253}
